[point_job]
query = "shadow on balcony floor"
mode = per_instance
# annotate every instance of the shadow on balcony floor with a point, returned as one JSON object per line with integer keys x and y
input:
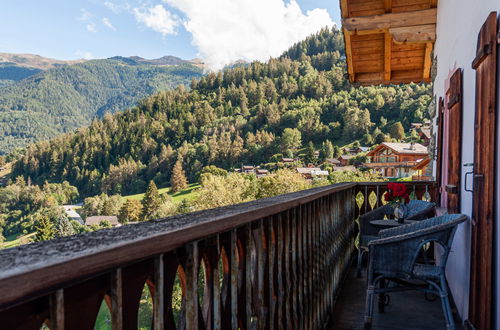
{"x": 407, "y": 310}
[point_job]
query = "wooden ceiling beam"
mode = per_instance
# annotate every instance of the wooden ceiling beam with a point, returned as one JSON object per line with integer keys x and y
{"x": 419, "y": 33}
{"x": 387, "y": 56}
{"x": 428, "y": 60}
{"x": 388, "y": 6}
{"x": 391, "y": 20}
{"x": 348, "y": 52}
{"x": 344, "y": 8}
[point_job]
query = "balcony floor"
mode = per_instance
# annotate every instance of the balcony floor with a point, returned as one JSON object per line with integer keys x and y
{"x": 407, "y": 310}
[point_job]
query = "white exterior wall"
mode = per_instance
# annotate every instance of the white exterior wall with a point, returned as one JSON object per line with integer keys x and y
{"x": 459, "y": 22}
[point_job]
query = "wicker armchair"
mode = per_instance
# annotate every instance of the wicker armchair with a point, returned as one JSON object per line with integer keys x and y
{"x": 393, "y": 258}
{"x": 417, "y": 210}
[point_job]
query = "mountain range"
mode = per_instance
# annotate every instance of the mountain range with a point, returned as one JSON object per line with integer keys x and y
{"x": 43, "y": 97}
{"x": 256, "y": 114}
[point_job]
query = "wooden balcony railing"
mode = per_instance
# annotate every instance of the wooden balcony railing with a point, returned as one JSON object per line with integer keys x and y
{"x": 272, "y": 263}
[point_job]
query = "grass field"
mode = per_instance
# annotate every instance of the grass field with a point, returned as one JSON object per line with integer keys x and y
{"x": 13, "y": 241}
{"x": 189, "y": 194}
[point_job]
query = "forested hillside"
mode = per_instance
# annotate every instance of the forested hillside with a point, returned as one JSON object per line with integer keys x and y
{"x": 58, "y": 100}
{"x": 250, "y": 114}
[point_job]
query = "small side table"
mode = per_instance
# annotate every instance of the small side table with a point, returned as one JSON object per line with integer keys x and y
{"x": 390, "y": 223}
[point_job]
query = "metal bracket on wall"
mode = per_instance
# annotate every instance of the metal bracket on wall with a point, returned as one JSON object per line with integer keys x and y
{"x": 467, "y": 175}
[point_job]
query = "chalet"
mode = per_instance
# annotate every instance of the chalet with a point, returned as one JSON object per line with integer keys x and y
{"x": 454, "y": 44}
{"x": 96, "y": 220}
{"x": 287, "y": 160}
{"x": 344, "y": 159}
{"x": 333, "y": 161}
{"x": 423, "y": 131}
{"x": 355, "y": 151}
{"x": 261, "y": 172}
{"x": 312, "y": 172}
{"x": 395, "y": 160}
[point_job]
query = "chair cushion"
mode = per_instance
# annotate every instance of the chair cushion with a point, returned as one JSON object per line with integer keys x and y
{"x": 426, "y": 272}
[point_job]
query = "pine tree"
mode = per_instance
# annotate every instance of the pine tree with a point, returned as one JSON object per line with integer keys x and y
{"x": 130, "y": 211}
{"x": 310, "y": 157}
{"x": 44, "y": 230}
{"x": 178, "y": 181}
{"x": 150, "y": 202}
{"x": 326, "y": 150}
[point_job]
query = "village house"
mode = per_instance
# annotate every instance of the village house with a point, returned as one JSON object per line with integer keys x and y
{"x": 333, "y": 162}
{"x": 396, "y": 160}
{"x": 423, "y": 131}
{"x": 344, "y": 159}
{"x": 97, "y": 219}
{"x": 312, "y": 172}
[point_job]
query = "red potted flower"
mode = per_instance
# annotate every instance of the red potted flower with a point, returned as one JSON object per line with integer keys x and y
{"x": 397, "y": 195}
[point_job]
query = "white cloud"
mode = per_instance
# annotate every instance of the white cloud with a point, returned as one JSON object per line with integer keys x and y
{"x": 84, "y": 54}
{"x": 108, "y": 23}
{"x": 116, "y": 8}
{"x": 85, "y": 15}
{"x": 225, "y": 31}
{"x": 157, "y": 18}
{"x": 91, "y": 27}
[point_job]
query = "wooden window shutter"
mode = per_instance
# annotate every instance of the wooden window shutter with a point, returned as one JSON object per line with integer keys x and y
{"x": 439, "y": 147}
{"x": 454, "y": 106}
{"x": 484, "y": 195}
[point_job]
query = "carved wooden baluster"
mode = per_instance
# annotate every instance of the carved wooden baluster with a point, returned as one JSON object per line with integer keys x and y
{"x": 260, "y": 242}
{"x": 271, "y": 239}
{"x": 286, "y": 268}
{"x": 159, "y": 290}
{"x": 248, "y": 276}
{"x": 294, "y": 267}
{"x": 234, "y": 279}
{"x": 310, "y": 263}
{"x": 242, "y": 287}
{"x": 191, "y": 269}
{"x": 57, "y": 310}
{"x": 298, "y": 275}
{"x": 116, "y": 299}
{"x": 216, "y": 285}
{"x": 279, "y": 264}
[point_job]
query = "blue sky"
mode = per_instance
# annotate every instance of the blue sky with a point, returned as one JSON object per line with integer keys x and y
{"x": 219, "y": 31}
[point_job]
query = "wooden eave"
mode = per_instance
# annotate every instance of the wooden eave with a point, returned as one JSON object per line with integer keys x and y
{"x": 389, "y": 41}
{"x": 422, "y": 164}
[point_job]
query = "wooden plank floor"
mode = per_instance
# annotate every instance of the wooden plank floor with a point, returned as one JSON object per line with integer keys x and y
{"x": 407, "y": 310}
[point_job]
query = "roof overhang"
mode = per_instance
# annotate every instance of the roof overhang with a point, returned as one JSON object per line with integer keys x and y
{"x": 389, "y": 41}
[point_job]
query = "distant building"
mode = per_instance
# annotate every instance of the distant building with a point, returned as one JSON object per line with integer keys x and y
{"x": 261, "y": 172}
{"x": 247, "y": 169}
{"x": 423, "y": 131}
{"x": 344, "y": 159}
{"x": 396, "y": 160}
{"x": 96, "y": 220}
{"x": 355, "y": 151}
{"x": 344, "y": 168}
{"x": 312, "y": 172}
{"x": 333, "y": 161}
{"x": 72, "y": 214}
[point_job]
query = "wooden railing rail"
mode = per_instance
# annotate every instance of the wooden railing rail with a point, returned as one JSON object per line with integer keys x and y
{"x": 271, "y": 263}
